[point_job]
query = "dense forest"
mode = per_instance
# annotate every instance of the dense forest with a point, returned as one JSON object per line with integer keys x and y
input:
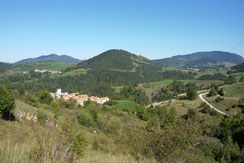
{"x": 238, "y": 68}
{"x": 4, "y": 66}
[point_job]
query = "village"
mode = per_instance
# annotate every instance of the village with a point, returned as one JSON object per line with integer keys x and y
{"x": 80, "y": 99}
{"x": 49, "y": 71}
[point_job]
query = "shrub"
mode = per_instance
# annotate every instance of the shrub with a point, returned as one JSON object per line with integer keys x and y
{"x": 21, "y": 90}
{"x": 111, "y": 102}
{"x": 45, "y": 97}
{"x": 191, "y": 91}
{"x": 55, "y": 104}
{"x": 55, "y": 145}
{"x": 212, "y": 92}
{"x": 206, "y": 109}
{"x": 191, "y": 113}
{"x": 219, "y": 99}
{"x": 86, "y": 119}
{"x": 31, "y": 100}
{"x": 70, "y": 103}
{"x": 79, "y": 145}
{"x": 94, "y": 114}
{"x": 7, "y": 102}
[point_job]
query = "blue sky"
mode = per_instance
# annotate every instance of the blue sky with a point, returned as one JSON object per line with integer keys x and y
{"x": 152, "y": 28}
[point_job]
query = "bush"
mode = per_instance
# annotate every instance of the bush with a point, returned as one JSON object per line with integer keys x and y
{"x": 86, "y": 119}
{"x": 55, "y": 104}
{"x": 191, "y": 113}
{"x": 70, "y": 103}
{"x": 79, "y": 145}
{"x": 21, "y": 90}
{"x": 206, "y": 109}
{"x": 31, "y": 100}
{"x": 212, "y": 92}
{"x": 219, "y": 99}
{"x": 94, "y": 114}
{"x": 111, "y": 102}
{"x": 191, "y": 91}
{"x": 7, "y": 102}
{"x": 45, "y": 97}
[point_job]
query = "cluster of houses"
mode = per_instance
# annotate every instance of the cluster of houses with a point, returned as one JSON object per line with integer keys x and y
{"x": 80, "y": 99}
{"x": 193, "y": 69}
{"x": 50, "y": 71}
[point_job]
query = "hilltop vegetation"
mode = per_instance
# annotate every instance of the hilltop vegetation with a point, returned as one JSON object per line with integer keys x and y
{"x": 4, "y": 67}
{"x": 238, "y": 68}
{"x": 114, "y": 67}
{"x": 112, "y": 59}
{"x": 51, "y": 57}
{"x": 49, "y": 65}
{"x": 202, "y": 60}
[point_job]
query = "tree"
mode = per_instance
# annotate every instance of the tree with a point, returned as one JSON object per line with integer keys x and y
{"x": 70, "y": 103}
{"x": 21, "y": 90}
{"x": 191, "y": 91}
{"x": 241, "y": 79}
{"x": 31, "y": 100}
{"x": 221, "y": 92}
{"x": 45, "y": 97}
{"x": 87, "y": 103}
{"x": 8, "y": 84}
{"x": 7, "y": 102}
{"x": 212, "y": 92}
{"x": 55, "y": 104}
{"x": 177, "y": 86}
{"x": 191, "y": 113}
{"x": 140, "y": 97}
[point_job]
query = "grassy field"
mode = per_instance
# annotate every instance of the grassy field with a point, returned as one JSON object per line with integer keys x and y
{"x": 18, "y": 139}
{"x": 220, "y": 70}
{"x": 71, "y": 73}
{"x": 43, "y": 65}
{"x": 164, "y": 82}
{"x": 182, "y": 106}
{"x": 169, "y": 81}
{"x": 154, "y": 87}
{"x": 225, "y": 105}
{"x": 117, "y": 87}
{"x": 122, "y": 104}
{"x": 235, "y": 90}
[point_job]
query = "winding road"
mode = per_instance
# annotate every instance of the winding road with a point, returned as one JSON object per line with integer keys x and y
{"x": 201, "y": 97}
{"x": 201, "y": 94}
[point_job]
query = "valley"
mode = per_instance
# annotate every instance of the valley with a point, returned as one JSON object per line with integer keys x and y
{"x": 152, "y": 112}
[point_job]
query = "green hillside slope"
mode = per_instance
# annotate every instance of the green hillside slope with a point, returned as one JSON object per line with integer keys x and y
{"x": 202, "y": 59}
{"x": 49, "y": 65}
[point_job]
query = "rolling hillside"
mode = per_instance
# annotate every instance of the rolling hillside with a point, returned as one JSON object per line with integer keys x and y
{"x": 202, "y": 59}
{"x": 238, "y": 68}
{"x": 51, "y": 57}
{"x": 118, "y": 60}
{"x": 4, "y": 66}
{"x": 49, "y": 65}
{"x": 113, "y": 67}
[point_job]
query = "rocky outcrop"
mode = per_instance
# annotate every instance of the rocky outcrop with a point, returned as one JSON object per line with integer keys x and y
{"x": 22, "y": 115}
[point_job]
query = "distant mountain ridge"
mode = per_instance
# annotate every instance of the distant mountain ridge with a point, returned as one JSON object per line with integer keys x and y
{"x": 202, "y": 59}
{"x": 51, "y": 57}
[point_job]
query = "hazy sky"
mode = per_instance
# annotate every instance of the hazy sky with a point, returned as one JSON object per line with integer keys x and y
{"x": 152, "y": 28}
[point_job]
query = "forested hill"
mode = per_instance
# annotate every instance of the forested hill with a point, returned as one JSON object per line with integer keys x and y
{"x": 4, "y": 66}
{"x": 202, "y": 59}
{"x": 238, "y": 68}
{"x": 51, "y": 57}
{"x": 117, "y": 59}
{"x": 114, "y": 67}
